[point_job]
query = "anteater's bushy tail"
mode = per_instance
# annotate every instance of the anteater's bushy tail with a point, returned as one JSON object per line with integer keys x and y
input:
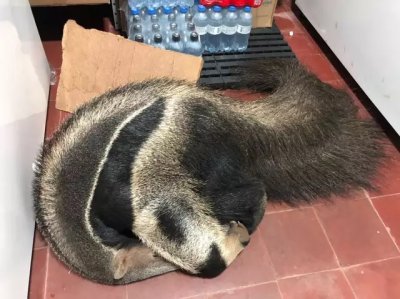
{"x": 316, "y": 144}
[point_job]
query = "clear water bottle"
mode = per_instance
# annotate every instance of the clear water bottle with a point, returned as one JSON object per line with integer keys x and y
{"x": 200, "y": 21}
{"x": 143, "y": 13}
{"x": 180, "y": 17}
{"x": 175, "y": 44}
{"x": 151, "y": 17}
{"x": 173, "y": 28}
{"x": 172, "y": 18}
{"x": 229, "y": 28}
{"x": 136, "y": 3}
{"x": 214, "y": 30}
{"x": 139, "y": 38}
{"x": 164, "y": 19}
{"x": 244, "y": 28}
{"x": 190, "y": 27}
{"x": 134, "y": 19}
{"x": 193, "y": 46}
{"x": 157, "y": 41}
{"x": 189, "y": 17}
{"x": 155, "y": 29}
{"x": 134, "y": 30}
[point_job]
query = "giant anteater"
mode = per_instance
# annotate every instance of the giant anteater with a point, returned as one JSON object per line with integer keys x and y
{"x": 164, "y": 175}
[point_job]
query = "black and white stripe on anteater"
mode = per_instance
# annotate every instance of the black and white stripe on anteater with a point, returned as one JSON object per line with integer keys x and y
{"x": 163, "y": 175}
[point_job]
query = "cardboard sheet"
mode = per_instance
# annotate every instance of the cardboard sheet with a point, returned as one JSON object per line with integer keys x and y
{"x": 96, "y": 61}
{"x": 263, "y": 15}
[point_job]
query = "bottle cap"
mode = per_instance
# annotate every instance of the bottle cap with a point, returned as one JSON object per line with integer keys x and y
{"x": 176, "y": 37}
{"x": 190, "y": 26}
{"x": 201, "y": 8}
{"x": 151, "y": 11}
{"x": 155, "y": 27}
{"x": 247, "y": 9}
{"x": 173, "y": 26}
{"x": 137, "y": 28}
{"x": 167, "y": 10}
{"x": 139, "y": 38}
{"x": 217, "y": 8}
{"x": 188, "y": 17}
{"x": 194, "y": 37}
{"x": 183, "y": 9}
{"x": 171, "y": 17}
{"x": 232, "y": 8}
{"x": 135, "y": 11}
{"x": 157, "y": 38}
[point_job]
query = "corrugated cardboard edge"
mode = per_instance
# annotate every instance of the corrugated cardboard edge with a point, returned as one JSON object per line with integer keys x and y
{"x": 263, "y": 16}
{"x": 95, "y": 62}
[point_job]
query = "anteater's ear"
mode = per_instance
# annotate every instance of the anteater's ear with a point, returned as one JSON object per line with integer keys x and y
{"x": 120, "y": 264}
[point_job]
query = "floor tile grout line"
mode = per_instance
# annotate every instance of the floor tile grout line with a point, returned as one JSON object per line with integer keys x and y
{"x": 288, "y": 210}
{"x": 279, "y": 289}
{"x": 327, "y": 237}
{"x": 334, "y": 253}
{"x": 40, "y": 247}
{"x": 231, "y": 289}
{"x": 308, "y": 273}
{"x": 338, "y": 268}
{"x": 381, "y": 196}
{"x": 264, "y": 246}
{"x": 371, "y": 262}
{"x": 46, "y": 275}
{"x": 383, "y": 223}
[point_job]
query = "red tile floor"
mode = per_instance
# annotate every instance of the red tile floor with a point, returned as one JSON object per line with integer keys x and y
{"x": 347, "y": 249}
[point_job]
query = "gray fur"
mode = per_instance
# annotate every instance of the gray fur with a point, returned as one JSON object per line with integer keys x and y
{"x": 301, "y": 142}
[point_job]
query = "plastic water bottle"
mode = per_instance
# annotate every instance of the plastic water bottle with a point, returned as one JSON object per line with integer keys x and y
{"x": 244, "y": 28}
{"x": 155, "y": 29}
{"x": 180, "y": 18}
{"x": 193, "y": 45}
{"x": 214, "y": 30}
{"x": 143, "y": 13}
{"x": 151, "y": 17}
{"x": 157, "y": 41}
{"x": 190, "y": 27}
{"x": 134, "y": 30}
{"x": 164, "y": 19}
{"x": 200, "y": 21}
{"x": 229, "y": 28}
{"x": 134, "y": 19}
{"x": 139, "y": 38}
{"x": 189, "y": 17}
{"x": 175, "y": 44}
{"x": 173, "y": 28}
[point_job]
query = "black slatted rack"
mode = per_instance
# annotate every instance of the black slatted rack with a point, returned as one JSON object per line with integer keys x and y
{"x": 220, "y": 69}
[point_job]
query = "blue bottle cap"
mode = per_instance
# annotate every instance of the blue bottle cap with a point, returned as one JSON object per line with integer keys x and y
{"x": 201, "y": 8}
{"x": 183, "y": 9}
{"x": 217, "y": 8}
{"x": 167, "y": 10}
{"x": 247, "y": 9}
{"x": 151, "y": 11}
{"x": 232, "y": 8}
{"x": 135, "y": 11}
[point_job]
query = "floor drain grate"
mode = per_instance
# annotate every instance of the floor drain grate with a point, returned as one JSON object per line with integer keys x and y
{"x": 220, "y": 70}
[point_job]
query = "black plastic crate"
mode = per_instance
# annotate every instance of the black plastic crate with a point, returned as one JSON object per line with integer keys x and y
{"x": 220, "y": 70}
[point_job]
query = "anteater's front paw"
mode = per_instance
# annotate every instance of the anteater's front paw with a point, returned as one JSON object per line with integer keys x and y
{"x": 237, "y": 228}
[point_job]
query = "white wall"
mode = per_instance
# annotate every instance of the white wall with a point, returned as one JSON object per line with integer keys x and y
{"x": 24, "y": 85}
{"x": 364, "y": 35}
